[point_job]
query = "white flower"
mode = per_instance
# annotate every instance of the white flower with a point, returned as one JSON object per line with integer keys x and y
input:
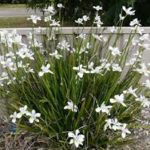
{"x": 33, "y": 116}
{"x": 131, "y": 91}
{"x": 143, "y": 70}
{"x": 141, "y": 98}
{"x": 10, "y": 54}
{"x": 71, "y": 106}
{"x": 107, "y": 124}
{"x": 113, "y": 29}
{"x": 103, "y": 108}
{"x": 135, "y": 22}
{"x": 8, "y": 63}
{"x": 63, "y": 45}
{"x": 144, "y": 41}
{"x": 145, "y": 37}
{"x": 118, "y": 99}
{"x": 97, "y": 8}
{"x": 105, "y": 65}
{"x": 124, "y": 130}
{"x": 83, "y": 50}
{"x": 121, "y": 17}
{"x": 82, "y": 36}
{"x": 98, "y": 21}
{"x": 80, "y": 70}
{"x": 24, "y": 52}
{"x": 23, "y": 111}
{"x": 116, "y": 67}
{"x": 34, "y": 18}
{"x": 56, "y": 55}
{"x": 144, "y": 101}
{"x": 60, "y": 5}
{"x": 88, "y": 45}
{"x": 38, "y": 30}
{"x": 128, "y": 11}
{"x": 147, "y": 83}
{"x": 48, "y": 18}
{"x": 112, "y": 124}
{"x": 116, "y": 125}
{"x": 54, "y": 23}
{"x": 14, "y": 117}
{"x": 17, "y": 39}
{"x": 11, "y": 81}
{"x": 131, "y": 62}
{"x": 114, "y": 51}
{"x": 97, "y": 69}
{"x": 29, "y": 70}
{"x": 4, "y": 76}
{"x": 90, "y": 65}
{"x": 77, "y": 139}
{"x": 45, "y": 69}
{"x": 146, "y": 46}
{"x": 50, "y": 10}
{"x": 79, "y": 21}
{"x": 35, "y": 43}
{"x": 139, "y": 30}
{"x": 99, "y": 37}
{"x": 85, "y": 18}
{"x": 138, "y": 54}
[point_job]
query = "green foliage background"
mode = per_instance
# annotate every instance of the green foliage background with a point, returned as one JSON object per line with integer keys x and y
{"x": 111, "y": 9}
{"x": 76, "y": 8}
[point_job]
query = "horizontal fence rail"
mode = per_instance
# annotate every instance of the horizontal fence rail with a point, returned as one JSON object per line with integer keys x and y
{"x": 71, "y": 30}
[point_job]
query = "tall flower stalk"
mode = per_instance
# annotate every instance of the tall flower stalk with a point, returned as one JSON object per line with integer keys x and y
{"x": 84, "y": 93}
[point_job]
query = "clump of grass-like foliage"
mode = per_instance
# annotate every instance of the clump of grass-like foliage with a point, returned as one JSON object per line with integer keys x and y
{"x": 83, "y": 92}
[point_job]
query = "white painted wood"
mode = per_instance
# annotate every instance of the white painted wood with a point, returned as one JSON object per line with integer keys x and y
{"x": 71, "y": 30}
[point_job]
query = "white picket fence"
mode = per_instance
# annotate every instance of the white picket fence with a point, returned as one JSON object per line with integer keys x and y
{"x": 69, "y": 31}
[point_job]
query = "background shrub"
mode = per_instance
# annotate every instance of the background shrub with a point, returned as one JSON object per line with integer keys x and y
{"x": 76, "y": 8}
{"x": 13, "y": 1}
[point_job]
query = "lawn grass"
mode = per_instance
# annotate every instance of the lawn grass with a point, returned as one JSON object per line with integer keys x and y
{"x": 17, "y": 22}
{"x": 4, "y": 6}
{"x": 22, "y": 22}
